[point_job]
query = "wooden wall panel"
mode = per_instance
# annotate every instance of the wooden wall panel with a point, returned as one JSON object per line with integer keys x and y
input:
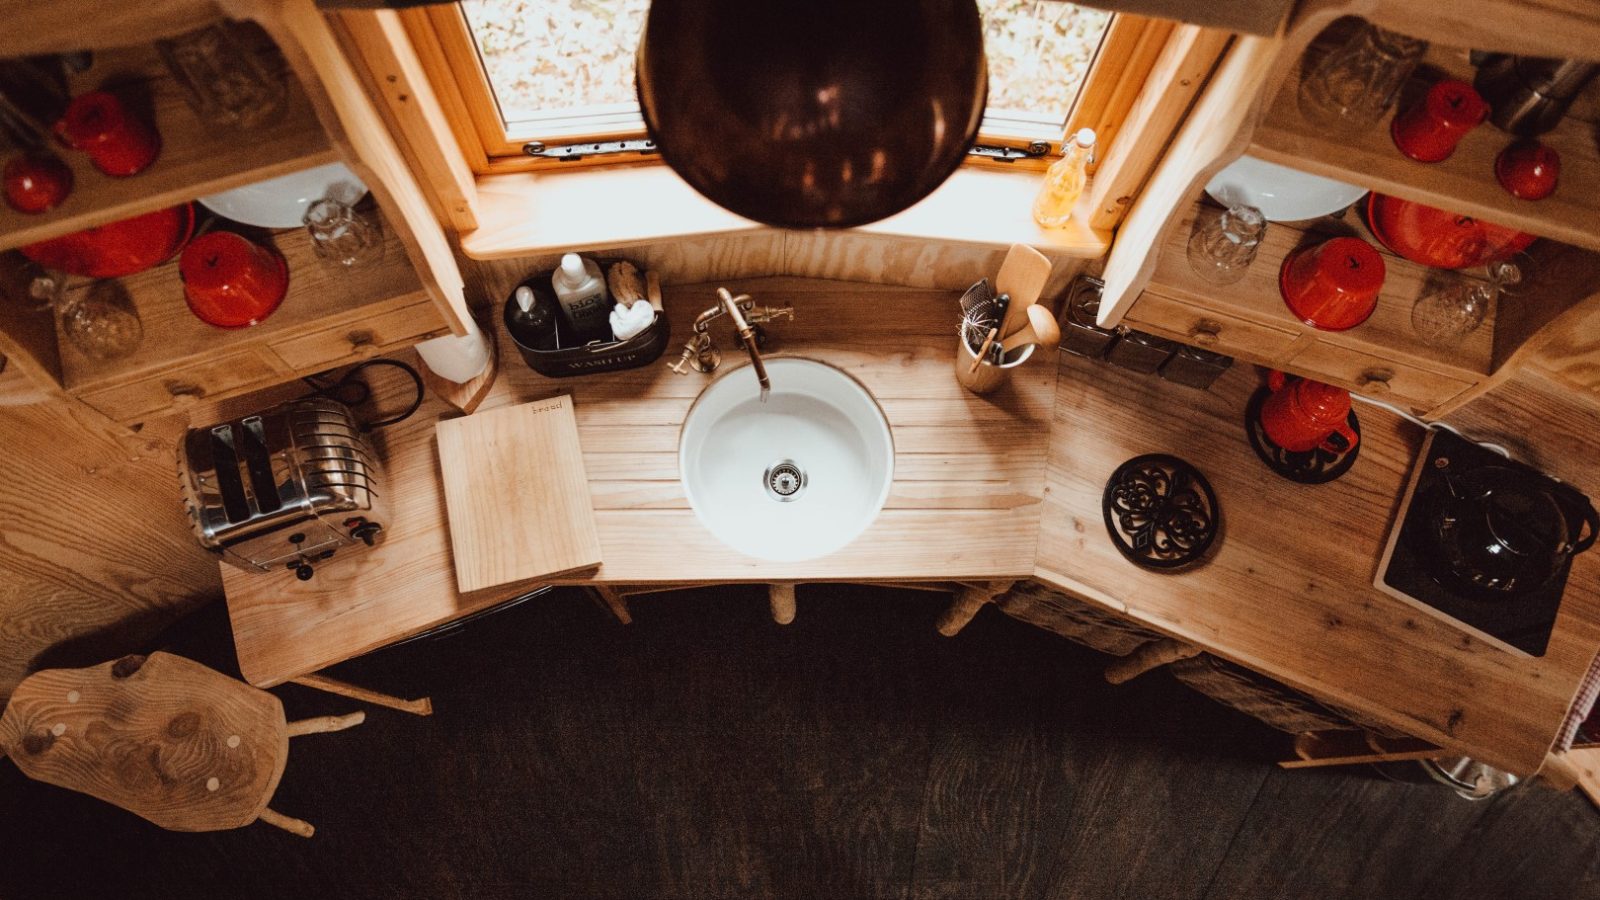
{"x": 95, "y": 552}
{"x": 837, "y": 256}
{"x": 686, "y": 261}
{"x": 880, "y": 259}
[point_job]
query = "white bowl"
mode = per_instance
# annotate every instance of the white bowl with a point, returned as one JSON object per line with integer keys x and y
{"x": 281, "y": 202}
{"x": 1281, "y": 193}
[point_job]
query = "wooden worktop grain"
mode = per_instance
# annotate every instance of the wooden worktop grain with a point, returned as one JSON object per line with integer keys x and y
{"x": 964, "y": 503}
{"x": 1288, "y": 590}
{"x": 998, "y": 487}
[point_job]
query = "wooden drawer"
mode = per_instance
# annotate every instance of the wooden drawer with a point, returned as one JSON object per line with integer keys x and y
{"x": 1377, "y": 377}
{"x": 215, "y": 378}
{"x": 1201, "y": 327}
{"x": 368, "y": 336}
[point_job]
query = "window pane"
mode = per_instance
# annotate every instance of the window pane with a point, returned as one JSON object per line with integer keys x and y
{"x": 1039, "y": 53}
{"x": 565, "y": 67}
{"x": 553, "y": 61}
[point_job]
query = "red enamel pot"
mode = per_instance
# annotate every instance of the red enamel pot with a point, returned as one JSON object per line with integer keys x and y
{"x": 118, "y": 249}
{"x": 1434, "y": 237}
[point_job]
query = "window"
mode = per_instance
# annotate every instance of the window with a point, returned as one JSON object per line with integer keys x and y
{"x": 561, "y": 71}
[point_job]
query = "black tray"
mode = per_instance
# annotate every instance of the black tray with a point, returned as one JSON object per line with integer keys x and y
{"x": 596, "y": 356}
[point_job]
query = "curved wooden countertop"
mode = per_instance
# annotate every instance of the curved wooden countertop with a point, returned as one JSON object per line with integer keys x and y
{"x": 964, "y": 503}
{"x": 1288, "y": 591}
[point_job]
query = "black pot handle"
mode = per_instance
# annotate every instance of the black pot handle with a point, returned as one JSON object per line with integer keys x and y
{"x": 1591, "y": 525}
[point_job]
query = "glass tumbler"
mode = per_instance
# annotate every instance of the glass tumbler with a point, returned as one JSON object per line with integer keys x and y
{"x": 343, "y": 235}
{"x": 1352, "y": 87}
{"x": 226, "y": 80}
{"x": 1443, "y": 318}
{"x": 101, "y": 321}
{"x": 1225, "y": 241}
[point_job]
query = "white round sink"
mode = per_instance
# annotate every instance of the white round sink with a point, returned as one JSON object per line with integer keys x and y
{"x": 794, "y": 478}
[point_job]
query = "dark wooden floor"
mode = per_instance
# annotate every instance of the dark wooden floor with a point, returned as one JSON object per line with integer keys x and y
{"x": 706, "y": 752}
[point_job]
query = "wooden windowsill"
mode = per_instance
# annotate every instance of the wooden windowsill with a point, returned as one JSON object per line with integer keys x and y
{"x": 534, "y": 213}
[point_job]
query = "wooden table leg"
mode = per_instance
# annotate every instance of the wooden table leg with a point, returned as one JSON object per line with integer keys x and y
{"x": 419, "y": 707}
{"x": 325, "y": 724}
{"x": 287, "y": 823}
{"x": 781, "y": 597}
{"x": 1149, "y": 656}
{"x": 966, "y": 604}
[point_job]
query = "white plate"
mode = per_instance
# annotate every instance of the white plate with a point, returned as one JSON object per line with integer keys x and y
{"x": 281, "y": 202}
{"x": 1281, "y": 193}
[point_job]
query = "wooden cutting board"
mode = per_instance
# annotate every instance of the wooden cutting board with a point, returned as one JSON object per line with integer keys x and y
{"x": 516, "y": 494}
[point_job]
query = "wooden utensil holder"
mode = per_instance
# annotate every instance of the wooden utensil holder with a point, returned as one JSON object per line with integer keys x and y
{"x": 988, "y": 376}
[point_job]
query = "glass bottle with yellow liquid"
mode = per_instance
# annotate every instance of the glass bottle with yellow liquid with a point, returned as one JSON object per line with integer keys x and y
{"x": 1063, "y": 183}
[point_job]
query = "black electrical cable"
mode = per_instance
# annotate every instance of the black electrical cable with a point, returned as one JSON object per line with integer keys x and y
{"x": 353, "y": 392}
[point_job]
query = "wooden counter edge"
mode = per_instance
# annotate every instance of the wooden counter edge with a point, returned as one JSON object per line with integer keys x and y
{"x": 1293, "y": 677}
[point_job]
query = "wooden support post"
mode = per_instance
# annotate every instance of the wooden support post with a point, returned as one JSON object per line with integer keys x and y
{"x": 420, "y": 707}
{"x": 1317, "y": 749}
{"x": 1150, "y": 656}
{"x": 966, "y": 604}
{"x": 325, "y": 724}
{"x": 611, "y": 599}
{"x": 287, "y": 823}
{"x": 781, "y": 598}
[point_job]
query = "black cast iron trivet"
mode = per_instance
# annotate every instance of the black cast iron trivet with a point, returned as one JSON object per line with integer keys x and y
{"x": 1160, "y": 511}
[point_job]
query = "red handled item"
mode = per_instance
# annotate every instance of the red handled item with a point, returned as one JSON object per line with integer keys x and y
{"x": 1302, "y": 415}
{"x": 230, "y": 281}
{"x": 118, "y": 142}
{"x": 1333, "y": 285}
{"x": 1429, "y": 131}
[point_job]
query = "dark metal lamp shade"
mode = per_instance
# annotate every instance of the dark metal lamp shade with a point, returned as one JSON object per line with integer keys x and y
{"x": 821, "y": 114}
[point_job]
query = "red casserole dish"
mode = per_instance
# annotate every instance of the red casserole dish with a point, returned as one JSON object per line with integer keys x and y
{"x": 117, "y": 249}
{"x": 1434, "y": 237}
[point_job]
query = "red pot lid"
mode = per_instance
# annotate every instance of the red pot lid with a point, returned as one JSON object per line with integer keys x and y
{"x": 1325, "y": 403}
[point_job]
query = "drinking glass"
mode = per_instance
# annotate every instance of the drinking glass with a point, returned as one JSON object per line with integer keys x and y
{"x": 343, "y": 235}
{"x": 1225, "y": 241}
{"x": 226, "y": 80}
{"x": 1445, "y": 317}
{"x": 1356, "y": 84}
{"x": 101, "y": 321}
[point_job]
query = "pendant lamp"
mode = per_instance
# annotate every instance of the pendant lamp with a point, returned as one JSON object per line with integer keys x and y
{"x": 821, "y": 114}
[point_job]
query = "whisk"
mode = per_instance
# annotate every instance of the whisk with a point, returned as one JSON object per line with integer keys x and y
{"x": 982, "y": 311}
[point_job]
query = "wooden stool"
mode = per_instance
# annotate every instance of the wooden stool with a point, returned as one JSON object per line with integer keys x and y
{"x": 163, "y": 737}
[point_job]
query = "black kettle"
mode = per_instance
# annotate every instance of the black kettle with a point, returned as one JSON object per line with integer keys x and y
{"x": 1503, "y": 532}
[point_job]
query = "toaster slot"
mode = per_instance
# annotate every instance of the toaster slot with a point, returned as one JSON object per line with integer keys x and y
{"x": 226, "y": 466}
{"x": 258, "y": 462}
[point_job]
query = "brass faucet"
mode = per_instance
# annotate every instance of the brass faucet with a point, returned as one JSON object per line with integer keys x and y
{"x": 702, "y": 355}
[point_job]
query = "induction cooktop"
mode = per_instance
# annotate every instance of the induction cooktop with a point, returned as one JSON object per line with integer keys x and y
{"x": 1520, "y": 623}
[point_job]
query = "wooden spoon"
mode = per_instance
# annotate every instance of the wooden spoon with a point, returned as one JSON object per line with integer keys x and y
{"x": 1022, "y": 275}
{"x": 1041, "y": 329}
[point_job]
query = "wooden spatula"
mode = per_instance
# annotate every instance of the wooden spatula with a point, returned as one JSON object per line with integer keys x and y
{"x": 1022, "y": 275}
{"x": 1041, "y": 329}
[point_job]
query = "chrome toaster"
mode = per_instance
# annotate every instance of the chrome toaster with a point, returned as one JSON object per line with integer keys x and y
{"x": 283, "y": 489}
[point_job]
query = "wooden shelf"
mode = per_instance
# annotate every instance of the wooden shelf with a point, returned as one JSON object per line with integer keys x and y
{"x": 318, "y": 293}
{"x": 195, "y": 160}
{"x": 1465, "y": 183}
{"x": 1386, "y": 334}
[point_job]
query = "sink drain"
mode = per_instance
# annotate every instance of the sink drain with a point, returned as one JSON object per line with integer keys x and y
{"x": 784, "y": 481}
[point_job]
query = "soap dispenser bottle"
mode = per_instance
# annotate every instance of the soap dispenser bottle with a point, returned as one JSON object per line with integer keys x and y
{"x": 1063, "y": 183}
{"x": 530, "y": 316}
{"x": 581, "y": 289}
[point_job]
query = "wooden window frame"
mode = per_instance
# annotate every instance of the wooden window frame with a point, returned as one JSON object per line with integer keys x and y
{"x": 449, "y": 56}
